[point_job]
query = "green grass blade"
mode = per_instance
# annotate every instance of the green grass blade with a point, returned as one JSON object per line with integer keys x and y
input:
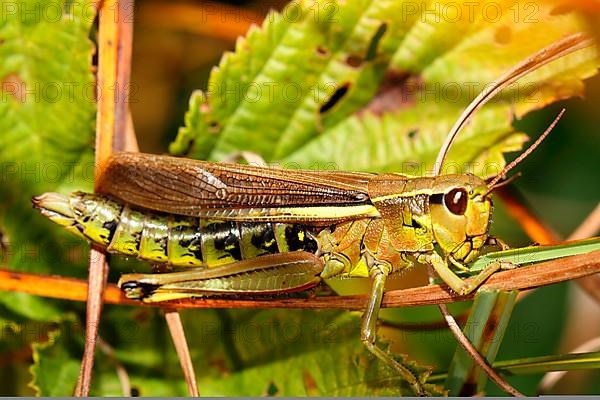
{"x": 535, "y": 254}
{"x": 543, "y": 364}
{"x": 485, "y": 328}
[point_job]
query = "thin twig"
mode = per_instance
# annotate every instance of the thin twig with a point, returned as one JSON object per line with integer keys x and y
{"x": 115, "y": 34}
{"x": 541, "y": 233}
{"x": 97, "y": 278}
{"x": 589, "y": 227}
{"x": 466, "y": 344}
{"x": 538, "y": 231}
{"x": 178, "y": 335}
{"x": 172, "y": 316}
{"x": 537, "y": 275}
{"x": 534, "y": 227}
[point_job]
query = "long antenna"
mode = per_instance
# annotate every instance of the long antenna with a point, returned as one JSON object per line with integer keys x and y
{"x": 550, "y": 53}
{"x": 524, "y": 155}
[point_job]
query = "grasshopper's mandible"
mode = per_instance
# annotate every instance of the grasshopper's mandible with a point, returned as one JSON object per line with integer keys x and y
{"x": 226, "y": 229}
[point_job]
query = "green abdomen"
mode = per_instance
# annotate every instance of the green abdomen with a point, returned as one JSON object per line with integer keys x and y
{"x": 187, "y": 241}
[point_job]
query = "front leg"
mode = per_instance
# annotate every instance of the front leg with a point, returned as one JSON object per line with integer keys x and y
{"x": 456, "y": 283}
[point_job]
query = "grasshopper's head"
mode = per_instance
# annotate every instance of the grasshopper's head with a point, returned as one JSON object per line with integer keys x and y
{"x": 461, "y": 210}
{"x": 461, "y": 205}
{"x": 87, "y": 215}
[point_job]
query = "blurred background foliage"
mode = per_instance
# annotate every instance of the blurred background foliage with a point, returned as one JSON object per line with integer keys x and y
{"x": 176, "y": 44}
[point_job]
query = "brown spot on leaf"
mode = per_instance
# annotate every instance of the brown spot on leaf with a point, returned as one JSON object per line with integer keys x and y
{"x": 335, "y": 98}
{"x": 503, "y": 35}
{"x": 310, "y": 384}
{"x": 220, "y": 365}
{"x": 375, "y": 40}
{"x": 13, "y": 86}
{"x": 354, "y": 61}
{"x": 397, "y": 91}
{"x": 322, "y": 51}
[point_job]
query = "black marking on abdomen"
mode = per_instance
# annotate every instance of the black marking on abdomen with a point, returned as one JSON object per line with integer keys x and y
{"x": 188, "y": 236}
{"x": 298, "y": 238}
{"x": 111, "y": 227}
{"x": 264, "y": 238}
{"x": 226, "y": 238}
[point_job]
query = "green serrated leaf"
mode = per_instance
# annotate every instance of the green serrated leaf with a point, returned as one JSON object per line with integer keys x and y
{"x": 289, "y": 71}
{"x": 395, "y": 108}
{"x": 47, "y": 123}
{"x": 54, "y": 370}
{"x": 299, "y": 353}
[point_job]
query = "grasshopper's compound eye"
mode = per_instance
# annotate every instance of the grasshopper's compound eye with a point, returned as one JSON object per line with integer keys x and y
{"x": 456, "y": 201}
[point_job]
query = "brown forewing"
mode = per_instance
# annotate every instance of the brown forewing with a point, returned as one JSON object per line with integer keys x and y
{"x": 191, "y": 187}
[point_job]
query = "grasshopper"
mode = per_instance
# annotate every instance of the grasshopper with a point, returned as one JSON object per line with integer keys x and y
{"x": 228, "y": 229}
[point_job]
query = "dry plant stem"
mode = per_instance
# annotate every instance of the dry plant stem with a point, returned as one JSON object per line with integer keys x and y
{"x": 534, "y": 227}
{"x": 537, "y": 275}
{"x": 589, "y": 227}
{"x": 130, "y": 138}
{"x": 98, "y": 274}
{"x": 539, "y": 232}
{"x": 466, "y": 344}
{"x": 115, "y": 34}
{"x": 172, "y": 316}
{"x": 591, "y": 286}
{"x": 178, "y": 335}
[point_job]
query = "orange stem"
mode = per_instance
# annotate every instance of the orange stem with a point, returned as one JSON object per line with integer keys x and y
{"x": 537, "y": 275}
